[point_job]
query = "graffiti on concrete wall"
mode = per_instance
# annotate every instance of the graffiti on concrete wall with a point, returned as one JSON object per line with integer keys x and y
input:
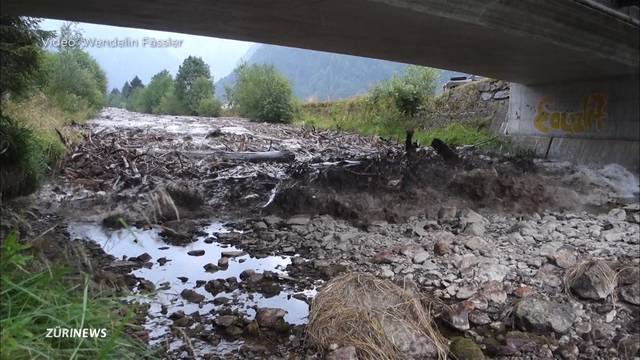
{"x": 591, "y": 117}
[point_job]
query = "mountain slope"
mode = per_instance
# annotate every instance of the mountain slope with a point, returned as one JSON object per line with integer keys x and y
{"x": 321, "y": 76}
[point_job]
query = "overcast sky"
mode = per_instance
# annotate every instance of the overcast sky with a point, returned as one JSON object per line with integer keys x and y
{"x": 121, "y": 64}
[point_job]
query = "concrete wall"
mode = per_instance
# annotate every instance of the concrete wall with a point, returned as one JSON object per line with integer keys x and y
{"x": 592, "y": 122}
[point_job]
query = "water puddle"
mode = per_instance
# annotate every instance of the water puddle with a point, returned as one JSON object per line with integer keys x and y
{"x": 169, "y": 278}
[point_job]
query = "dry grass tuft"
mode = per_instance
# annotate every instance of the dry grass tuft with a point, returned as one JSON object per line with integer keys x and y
{"x": 162, "y": 207}
{"x": 380, "y": 319}
{"x": 598, "y": 268}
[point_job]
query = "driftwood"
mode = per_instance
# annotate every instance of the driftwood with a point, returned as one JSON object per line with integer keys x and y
{"x": 258, "y": 156}
{"x": 448, "y": 154}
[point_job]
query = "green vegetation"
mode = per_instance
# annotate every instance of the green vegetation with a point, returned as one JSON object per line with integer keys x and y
{"x": 42, "y": 92}
{"x": 35, "y": 298}
{"x": 261, "y": 93}
{"x": 401, "y": 108}
{"x": 191, "y": 93}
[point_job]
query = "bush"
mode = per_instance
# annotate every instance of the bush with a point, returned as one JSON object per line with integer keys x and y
{"x": 22, "y": 164}
{"x": 75, "y": 81}
{"x": 209, "y": 107}
{"x": 261, "y": 93}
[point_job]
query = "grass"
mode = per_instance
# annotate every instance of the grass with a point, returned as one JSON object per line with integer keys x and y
{"x": 30, "y": 141}
{"x": 37, "y": 298}
{"x": 354, "y": 116}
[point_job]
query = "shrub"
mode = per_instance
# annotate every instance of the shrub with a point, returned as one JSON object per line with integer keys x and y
{"x": 261, "y": 93}
{"x": 209, "y": 107}
{"x": 75, "y": 81}
{"x": 22, "y": 164}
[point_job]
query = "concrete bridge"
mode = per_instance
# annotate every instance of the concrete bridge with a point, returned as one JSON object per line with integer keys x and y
{"x": 575, "y": 64}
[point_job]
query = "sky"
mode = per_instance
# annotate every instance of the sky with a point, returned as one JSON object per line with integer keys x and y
{"x": 123, "y": 63}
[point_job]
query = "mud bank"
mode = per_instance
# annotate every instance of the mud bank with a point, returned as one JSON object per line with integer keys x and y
{"x": 228, "y": 252}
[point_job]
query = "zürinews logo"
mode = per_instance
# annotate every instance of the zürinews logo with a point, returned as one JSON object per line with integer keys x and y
{"x": 59, "y": 332}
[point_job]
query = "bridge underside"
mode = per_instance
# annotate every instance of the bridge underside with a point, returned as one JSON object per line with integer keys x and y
{"x": 525, "y": 41}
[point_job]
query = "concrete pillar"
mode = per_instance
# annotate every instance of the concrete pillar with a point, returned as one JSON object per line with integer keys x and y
{"x": 589, "y": 122}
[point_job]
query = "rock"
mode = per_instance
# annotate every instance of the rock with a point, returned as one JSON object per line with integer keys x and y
{"x": 272, "y": 220}
{"x": 501, "y": 95}
{"x": 468, "y": 216}
{"x": 549, "y": 249}
{"x": 569, "y": 351}
{"x": 618, "y": 214}
{"x": 465, "y": 349}
{"x": 596, "y": 282}
{"x": 182, "y": 322}
{"x": 184, "y": 279}
{"x": 177, "y": 315}
{"x": 142, "y": 258}
{"x": 493, "y": 292}
{"x": 343, "y": 353}
{"x": 162, "y": 261}
{"x": 465, "y": 292}
{"x": 441, "y": 248}
{"x": 565, "y": 257}
{"x": 492, "y": 272}
{"x": 631, "y": 293}
{"x": 210, "y": 267}
{"x": 447, "y": 213}
{"x": 192, "y": 296}
{"x": 270, "y": 317}
{"x": 486, "y": 95}
{"x": 475, "y": 243}
{"x": 232, "y": 253}
{"x": 200, "y": 283}
{"x": 629, "y": 347}
{"x": 533, "y": 313}
{"x": 386, "y": 273}
{"x": 223, "y": 262}
{"x": 221, "y": 300}
{"x": 420, "y": 257}
{"x": 226, "y": 320}
{"x": 523, "y": 291}
{"x": 457, "y": 315}
{"x": 476, "y": 229}
{"x": 385, "y": 257}
{"x": 299, "y": 220}
{"x": 479, "y": 318}
{"x": 195, "y": 252}
{"x": 179, "y": 232}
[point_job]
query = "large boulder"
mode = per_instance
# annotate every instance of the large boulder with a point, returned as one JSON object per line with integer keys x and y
{"x": 536, "y": 314}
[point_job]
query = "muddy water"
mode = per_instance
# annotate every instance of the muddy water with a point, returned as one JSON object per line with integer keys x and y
{"x": 133, "y": 242}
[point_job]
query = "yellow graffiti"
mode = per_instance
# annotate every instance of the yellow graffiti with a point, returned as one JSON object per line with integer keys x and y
{"x": 592, "y": 116}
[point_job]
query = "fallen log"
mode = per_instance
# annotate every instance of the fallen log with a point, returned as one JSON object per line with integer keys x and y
{"x": 258, "y": 156}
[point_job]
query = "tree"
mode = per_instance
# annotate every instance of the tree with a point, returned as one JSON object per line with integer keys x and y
{"x": 136, "y": 83}
{"x": 160, "y": 85}
{"x": 21, "y": 43}
{"x": 192, "y": 69}
{"x": 403, "y": 97}
{"x": 260, "y": 92}
{"x": 202, "y": 97}
{"x": 126, "y": 90}
{"x": 115, "y": 98}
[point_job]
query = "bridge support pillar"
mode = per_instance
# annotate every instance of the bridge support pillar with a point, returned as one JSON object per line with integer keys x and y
{"x": 590, "y": 122}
